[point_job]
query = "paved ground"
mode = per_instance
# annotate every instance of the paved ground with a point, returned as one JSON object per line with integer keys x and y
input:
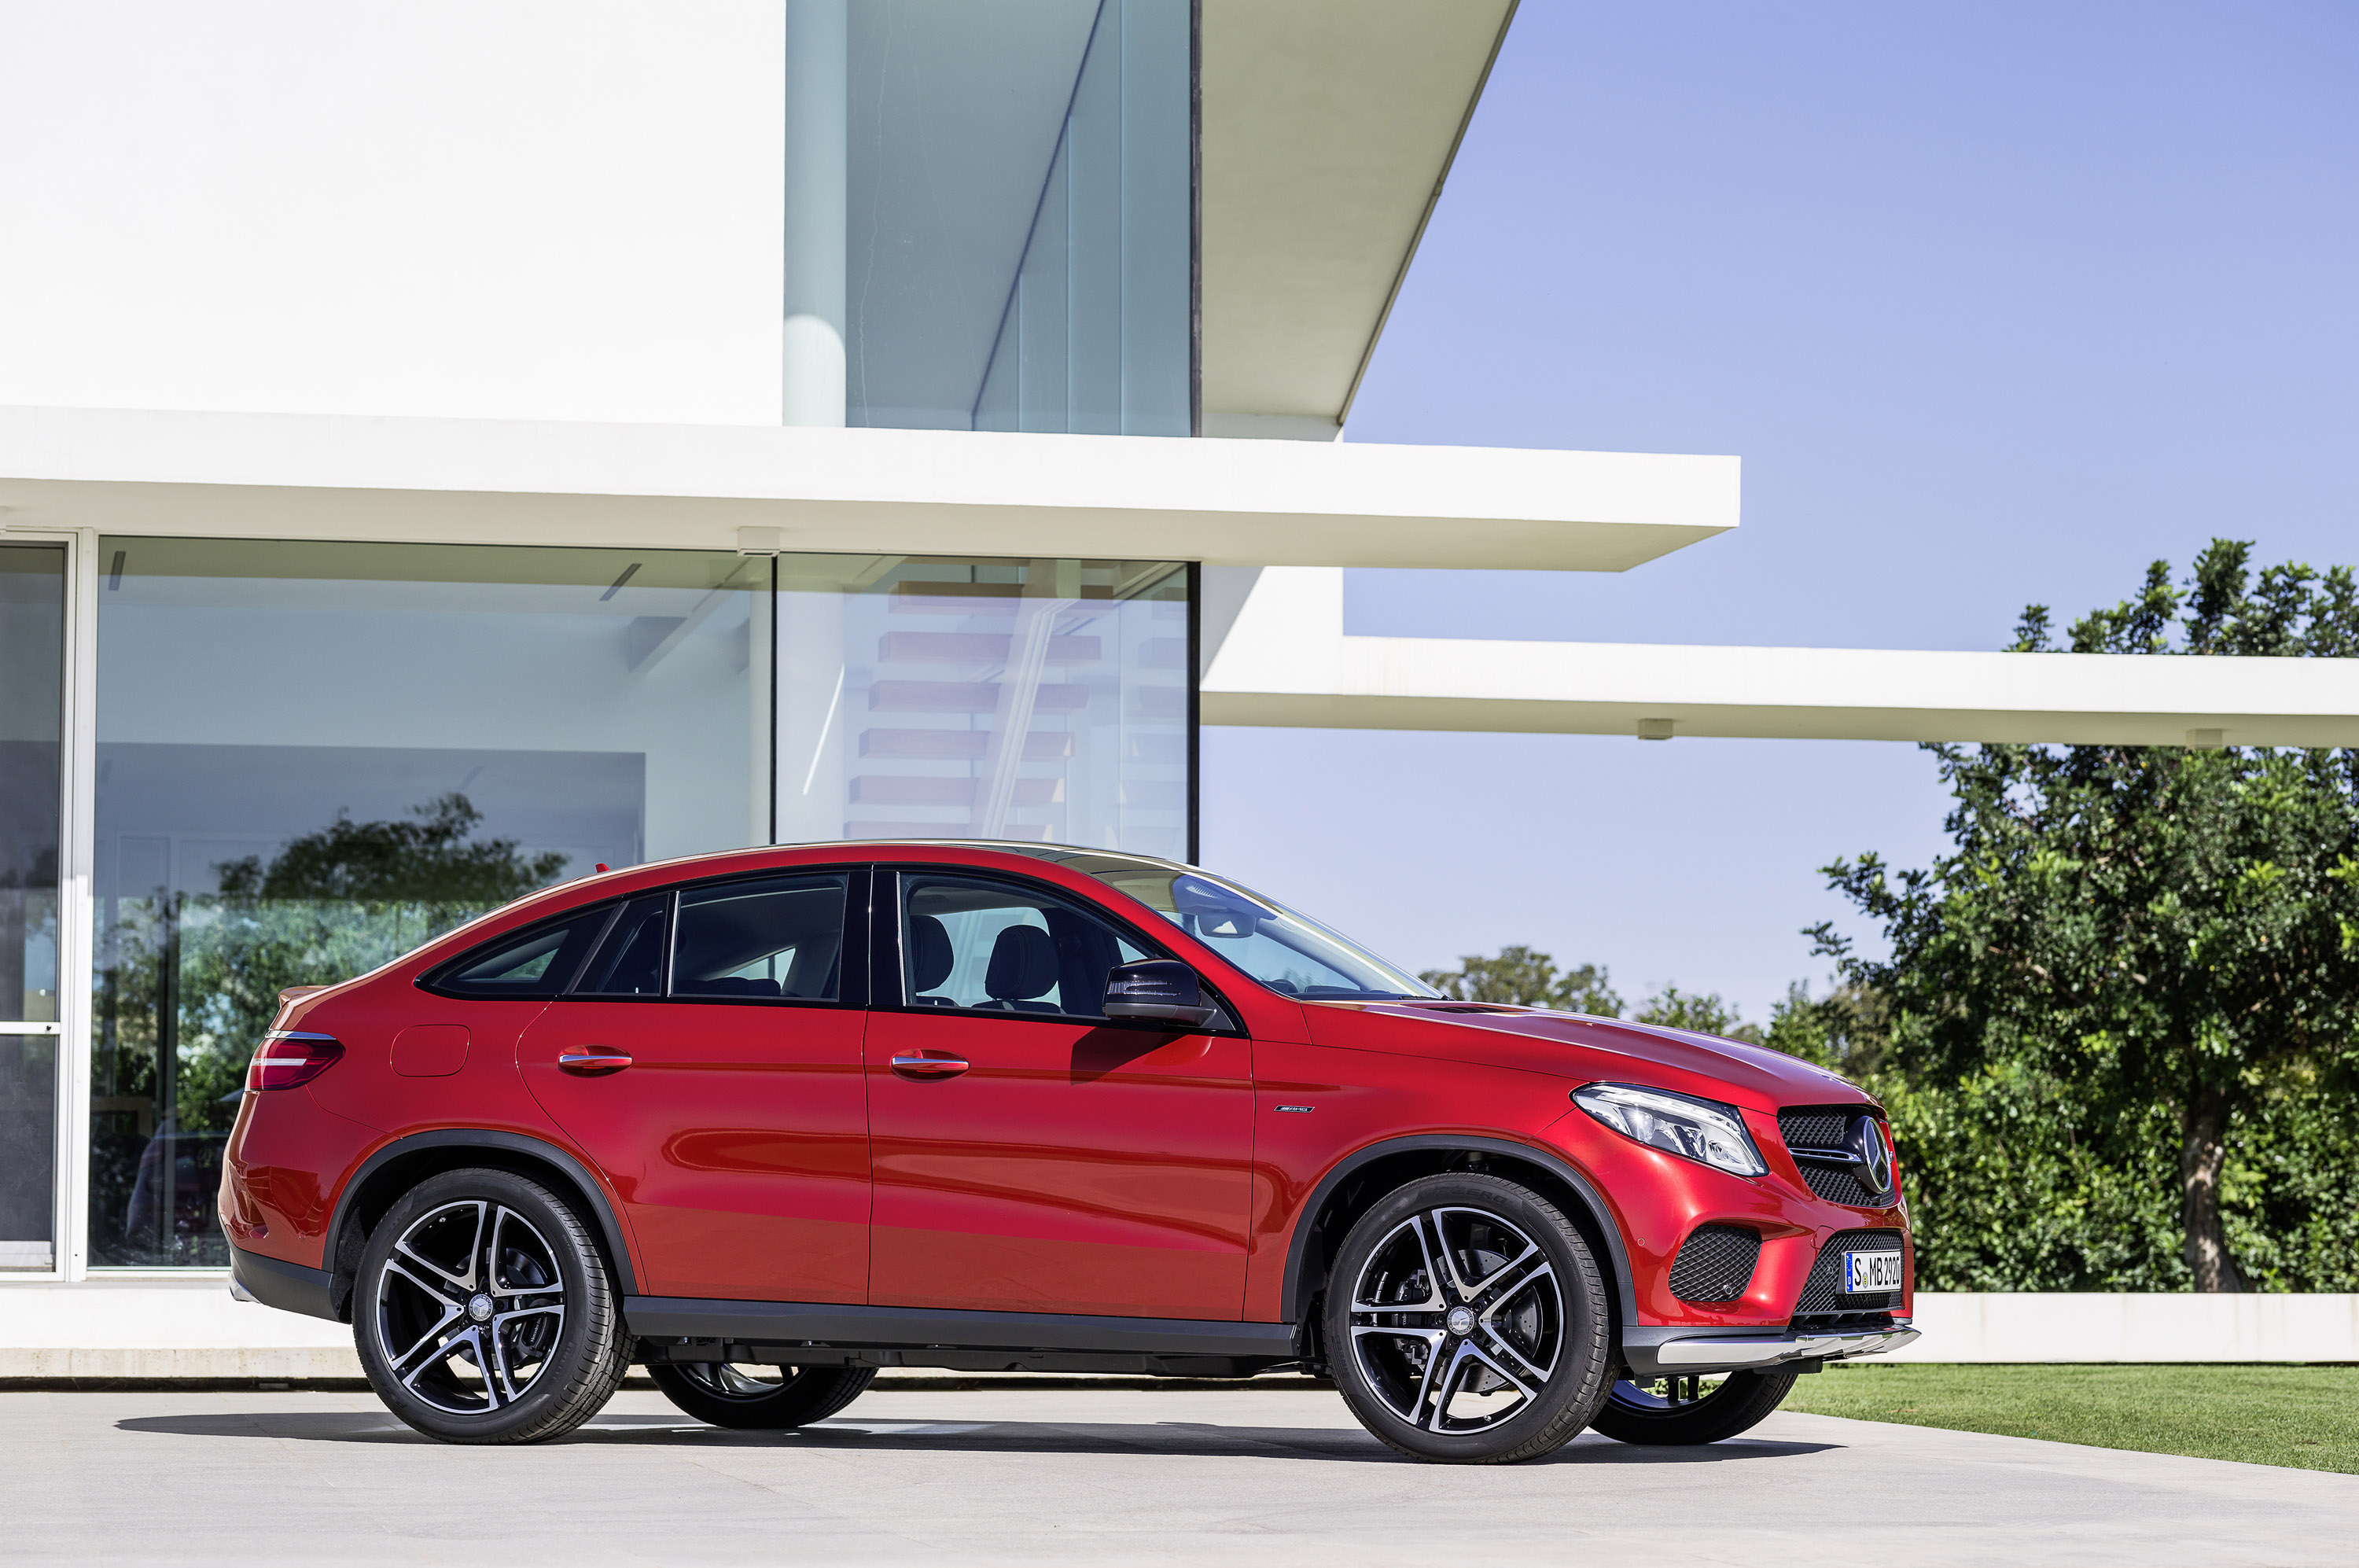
{"x": 1102, "y": 1477}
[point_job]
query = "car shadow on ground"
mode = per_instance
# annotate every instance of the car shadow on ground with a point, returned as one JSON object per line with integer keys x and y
{"x": 1191, "y": 1439}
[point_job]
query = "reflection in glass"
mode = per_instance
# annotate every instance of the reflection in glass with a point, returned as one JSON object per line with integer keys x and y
{"x": 1283, "y": 950}
{"x": 992, "y": 947}
{"x": 1041, "y": 700}
{"x": 1018, "y": 216}
{"x": 32, "y": 671}
{"x": 313, "y": 756}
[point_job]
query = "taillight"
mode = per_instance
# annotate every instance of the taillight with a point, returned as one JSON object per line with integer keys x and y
{"x": 290, "y": 1056}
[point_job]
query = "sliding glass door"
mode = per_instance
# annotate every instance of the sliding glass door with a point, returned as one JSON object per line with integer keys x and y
{"x": 32, "y": 704}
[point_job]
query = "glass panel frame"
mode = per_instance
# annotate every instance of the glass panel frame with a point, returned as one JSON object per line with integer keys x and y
{"x": 35, "y": 589}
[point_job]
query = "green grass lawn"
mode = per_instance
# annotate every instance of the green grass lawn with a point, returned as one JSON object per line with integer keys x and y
{"x": 2307, "y": 1417}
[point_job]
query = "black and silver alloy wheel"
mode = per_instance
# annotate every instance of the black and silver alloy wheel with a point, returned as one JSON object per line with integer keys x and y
{"x": 758, "y": 1398}
{"x": 482, "y": 1312}
{"x": 1466, "y": 1320}
{"x": 1456, "y": 1320}
{"x": 469, "y": 1306}
{"x": 1692, "y": 1408}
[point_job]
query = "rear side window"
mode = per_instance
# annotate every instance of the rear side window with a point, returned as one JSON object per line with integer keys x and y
{"x": 779, "y": 937}
{"x": 534, "y": 963}
{"x": 629, "y": 963}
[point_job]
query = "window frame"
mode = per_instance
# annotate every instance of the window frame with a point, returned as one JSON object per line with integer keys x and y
{"x": 857, "y": 934}
{"x": 889, "y": 969}
{"x": 849, "y": 968}
{"x": 435, "y": 982}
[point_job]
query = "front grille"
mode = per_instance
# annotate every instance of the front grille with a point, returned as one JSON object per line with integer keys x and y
{"x": 1838, "y": 1184}
{"x": 1816, "y": 1127}
{"x": 1827, "y": 1126}
{"x": 1825, "y": 1304}
{"x": 1715, "y": 1264}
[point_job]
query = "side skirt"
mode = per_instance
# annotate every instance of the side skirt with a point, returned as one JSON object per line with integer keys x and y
{"x": 801, "y": 1333}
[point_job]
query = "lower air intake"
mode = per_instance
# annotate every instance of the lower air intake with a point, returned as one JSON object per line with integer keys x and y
{"x": 1715, "y": 1263}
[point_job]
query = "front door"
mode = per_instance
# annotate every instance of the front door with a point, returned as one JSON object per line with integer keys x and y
{"x": 714, "y": 1076}
{"x": 1028, "y": 1154}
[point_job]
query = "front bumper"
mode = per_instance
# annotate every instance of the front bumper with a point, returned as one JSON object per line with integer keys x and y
{"x": 1678, "y": 1352}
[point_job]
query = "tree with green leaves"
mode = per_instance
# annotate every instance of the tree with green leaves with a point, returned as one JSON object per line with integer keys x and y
{"x": 1703, "y": 1012}
{"x": 329, "y": 905}
{"x": 2127, "y": 944}
{"x": 1520, "y": 976}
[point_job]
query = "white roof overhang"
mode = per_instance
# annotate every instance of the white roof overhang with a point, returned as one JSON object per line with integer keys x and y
{"x": 1328, "y": 128}
{"x": 871, "y": 490}
{"x": 1284, "y": 661}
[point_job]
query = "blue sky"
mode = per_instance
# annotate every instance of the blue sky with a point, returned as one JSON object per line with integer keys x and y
{"x": 1997, "y": 303}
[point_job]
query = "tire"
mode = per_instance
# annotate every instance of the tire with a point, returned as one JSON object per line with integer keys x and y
{"x": 767, "y": 1398}
{"x": 1634, "y": 1413}
{"x": 1506, "y": 1368}
{"x": 484, "y": 1312}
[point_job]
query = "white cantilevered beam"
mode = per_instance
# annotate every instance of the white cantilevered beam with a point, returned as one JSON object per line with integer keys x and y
{"x": 1284, "y": 661}
{"x": 959, "y": 492}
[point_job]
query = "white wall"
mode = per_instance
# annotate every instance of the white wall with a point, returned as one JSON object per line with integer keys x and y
{"x": 491, "y": 208}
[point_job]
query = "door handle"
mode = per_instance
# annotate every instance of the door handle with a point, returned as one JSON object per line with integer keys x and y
{"x": 928, "y": 1066}
{"x": 594, "y": 1059}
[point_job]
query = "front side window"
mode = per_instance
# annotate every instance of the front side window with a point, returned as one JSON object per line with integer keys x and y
{"x": 997, "y": 947}
{"x": 1286, "y": 952}
{"x": 781, "y": 936}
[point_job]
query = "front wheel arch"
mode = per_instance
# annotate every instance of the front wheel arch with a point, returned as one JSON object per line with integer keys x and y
{"x": 1361, "y": 1180}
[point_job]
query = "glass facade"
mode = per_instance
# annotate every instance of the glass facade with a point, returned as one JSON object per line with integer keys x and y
{"x": 1043, "y": 700}
{"x": 312, "y": 756}
{"x": 32, "y": 706}
{"x": 1018, "y": 182}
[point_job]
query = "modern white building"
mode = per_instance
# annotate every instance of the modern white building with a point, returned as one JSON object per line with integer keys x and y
{"x": 444, "y": 447}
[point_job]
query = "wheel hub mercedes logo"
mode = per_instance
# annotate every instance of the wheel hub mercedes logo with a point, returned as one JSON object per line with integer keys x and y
{"x": 479, "y": 1307}
{"x": 1460, "y": 1320}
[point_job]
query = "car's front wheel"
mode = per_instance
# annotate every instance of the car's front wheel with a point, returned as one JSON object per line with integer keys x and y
{"x": 759, "y": 1398}
{"x": 1466, "y": 1321}
{"x": 483, "y": 1313}
{"x": 1677, "y": 1411}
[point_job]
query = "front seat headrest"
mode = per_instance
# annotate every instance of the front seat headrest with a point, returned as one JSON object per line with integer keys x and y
{"x": 1023, "y": 964}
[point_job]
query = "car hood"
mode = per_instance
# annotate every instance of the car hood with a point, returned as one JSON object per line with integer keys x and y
{"x": 1574, "y": 1045}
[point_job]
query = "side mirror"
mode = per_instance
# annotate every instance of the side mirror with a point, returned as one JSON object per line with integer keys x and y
{"x": 1160, "y": 989}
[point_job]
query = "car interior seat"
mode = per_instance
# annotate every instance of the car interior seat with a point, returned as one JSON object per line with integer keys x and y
{"x": 1023, "y": 969}
{"x": 930, "y": 960}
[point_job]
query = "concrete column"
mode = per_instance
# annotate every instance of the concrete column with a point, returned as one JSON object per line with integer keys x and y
{"x": 817, "y": 64}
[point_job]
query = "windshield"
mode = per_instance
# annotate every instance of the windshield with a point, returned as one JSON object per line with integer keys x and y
{"x": 1270, "y": 942}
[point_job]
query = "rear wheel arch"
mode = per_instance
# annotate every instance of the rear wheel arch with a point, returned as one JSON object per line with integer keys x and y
{"x": 1361, "y": 1180}
{"x": 402, "y": 1164}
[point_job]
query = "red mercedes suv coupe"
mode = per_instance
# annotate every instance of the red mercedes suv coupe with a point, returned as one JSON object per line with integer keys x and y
{"x": 766, "y": 1122}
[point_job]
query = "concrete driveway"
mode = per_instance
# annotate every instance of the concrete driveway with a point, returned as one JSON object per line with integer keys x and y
{"x": 1103, "y": 1477}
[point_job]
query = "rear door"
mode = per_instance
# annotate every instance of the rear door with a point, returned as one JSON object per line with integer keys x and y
{"x": 1030, "y": 1155}
{"x": 709, "y": 1061}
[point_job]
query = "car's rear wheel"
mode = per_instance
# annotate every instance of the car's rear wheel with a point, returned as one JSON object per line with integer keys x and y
{"x": 484, "y": 1312}
{"x": 1466, "y": 1321}
{"x": 758, "y": 1397}
{"x": 1676, "y": 1411}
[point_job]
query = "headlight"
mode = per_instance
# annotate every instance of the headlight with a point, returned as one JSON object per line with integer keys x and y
{"x": 1702, "y": 1130}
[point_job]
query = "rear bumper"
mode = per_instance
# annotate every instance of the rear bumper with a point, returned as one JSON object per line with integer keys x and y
{"x": 289, "y": 1287}
{"x": 1670, "y": 1352}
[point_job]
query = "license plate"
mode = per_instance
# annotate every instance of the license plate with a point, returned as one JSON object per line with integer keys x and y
{"x": 1865, "y": 1273}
